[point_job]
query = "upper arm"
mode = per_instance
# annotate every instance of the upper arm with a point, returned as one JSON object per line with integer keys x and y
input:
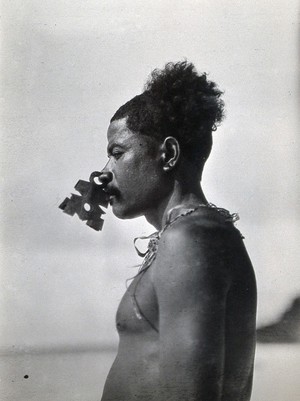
{"x": 191, "y": 277}
{"x": 191, "y": 280}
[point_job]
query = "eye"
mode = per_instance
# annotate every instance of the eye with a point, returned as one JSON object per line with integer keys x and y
{"x": 116, "y": 154}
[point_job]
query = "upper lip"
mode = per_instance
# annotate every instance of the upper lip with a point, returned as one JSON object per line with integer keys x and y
{"x": 109, "y": 191}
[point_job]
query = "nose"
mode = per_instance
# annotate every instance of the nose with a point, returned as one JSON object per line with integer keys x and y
{"x": 105, "y": 177}
{"x": 102, "y": 178}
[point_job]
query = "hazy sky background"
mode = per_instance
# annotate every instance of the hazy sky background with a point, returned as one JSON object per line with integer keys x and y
{"x": 66, "y": 67}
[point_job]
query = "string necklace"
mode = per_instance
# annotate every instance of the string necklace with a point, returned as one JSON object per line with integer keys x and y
{"x": 150, "y": 255}
{"x": 154, "y": 238}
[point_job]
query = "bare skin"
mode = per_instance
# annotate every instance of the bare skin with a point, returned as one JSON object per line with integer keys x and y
{"x": 194, "y": 337}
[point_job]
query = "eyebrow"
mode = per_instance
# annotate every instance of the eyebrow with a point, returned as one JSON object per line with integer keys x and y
{"x": 113, "y": 145}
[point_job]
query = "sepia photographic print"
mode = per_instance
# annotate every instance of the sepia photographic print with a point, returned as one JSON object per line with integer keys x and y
{"x": 149, "y": 201}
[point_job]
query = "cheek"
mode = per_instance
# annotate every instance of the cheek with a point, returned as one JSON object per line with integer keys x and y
{"x": 148, "y": 172}
{"x": 138, "y": 173}
{"x": 137, "y": 169}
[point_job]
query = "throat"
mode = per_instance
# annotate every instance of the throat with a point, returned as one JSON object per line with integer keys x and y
{"x": 157, "y": 217}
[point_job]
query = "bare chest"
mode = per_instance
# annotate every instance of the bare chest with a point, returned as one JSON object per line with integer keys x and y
{"x": 138, "y": 309}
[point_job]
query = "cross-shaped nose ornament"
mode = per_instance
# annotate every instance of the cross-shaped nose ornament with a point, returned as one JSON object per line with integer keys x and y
{"x": 92, "y": 196}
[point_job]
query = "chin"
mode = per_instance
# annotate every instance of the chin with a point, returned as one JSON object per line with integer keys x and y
{"x": 124, "y": 213}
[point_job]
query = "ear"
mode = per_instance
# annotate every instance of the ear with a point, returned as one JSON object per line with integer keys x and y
{"x": 170, "y": 153}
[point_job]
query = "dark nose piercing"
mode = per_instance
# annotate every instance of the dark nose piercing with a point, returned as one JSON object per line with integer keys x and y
{"x": 106, "y": 177}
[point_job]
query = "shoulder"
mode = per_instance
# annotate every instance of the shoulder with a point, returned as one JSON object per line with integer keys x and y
{"x": 204, "y": 228}
{"x": 196, "y": 248}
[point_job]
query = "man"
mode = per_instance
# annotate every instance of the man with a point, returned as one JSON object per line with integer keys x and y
{"x": 187, "y": 321}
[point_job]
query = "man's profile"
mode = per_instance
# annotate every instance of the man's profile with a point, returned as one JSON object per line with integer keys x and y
{"x": 187, "y": 321}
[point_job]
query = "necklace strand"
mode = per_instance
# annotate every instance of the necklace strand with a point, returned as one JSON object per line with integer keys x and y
{"x": 150, "y": 254}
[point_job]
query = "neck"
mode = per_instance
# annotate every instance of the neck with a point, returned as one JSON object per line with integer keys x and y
{"x": 191, "y": 197}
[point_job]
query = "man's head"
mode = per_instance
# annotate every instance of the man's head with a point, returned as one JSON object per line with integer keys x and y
{"x": 160, "y": 138}
{"x": 177, "y": 102}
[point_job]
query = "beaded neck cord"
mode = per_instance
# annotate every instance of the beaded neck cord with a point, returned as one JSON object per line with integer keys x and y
{"x": 154, "y": 238}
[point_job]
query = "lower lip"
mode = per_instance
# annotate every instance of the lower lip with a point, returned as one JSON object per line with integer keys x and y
{"x": 111, "y": 199}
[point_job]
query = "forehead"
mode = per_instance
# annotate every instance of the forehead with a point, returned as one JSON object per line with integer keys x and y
{"x": 118, "y": 131}
{"x": 119, "y": 134}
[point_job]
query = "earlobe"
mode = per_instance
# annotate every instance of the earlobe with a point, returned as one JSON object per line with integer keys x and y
{"x": 170, "y": 153}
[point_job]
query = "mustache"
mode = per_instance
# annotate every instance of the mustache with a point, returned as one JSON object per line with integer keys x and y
{"x": 111, "y": 191}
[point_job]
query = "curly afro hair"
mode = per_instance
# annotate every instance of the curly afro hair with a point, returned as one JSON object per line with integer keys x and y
{"x": 177, "y": 102}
